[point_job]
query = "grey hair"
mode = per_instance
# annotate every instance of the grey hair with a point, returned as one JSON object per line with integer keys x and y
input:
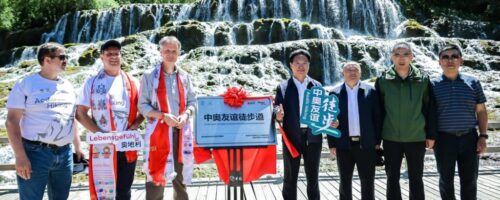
{"x": 402, "y": 45}
{"x": 170, "y": 39}
{"x": 47, "y": 50}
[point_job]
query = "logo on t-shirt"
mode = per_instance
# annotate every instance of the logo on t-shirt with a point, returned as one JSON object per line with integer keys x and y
{"x": 101, "y": 89}
{"x": 103, "y": 122}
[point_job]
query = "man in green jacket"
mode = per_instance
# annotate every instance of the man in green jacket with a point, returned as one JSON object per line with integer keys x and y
{"x": 409, "y": 120}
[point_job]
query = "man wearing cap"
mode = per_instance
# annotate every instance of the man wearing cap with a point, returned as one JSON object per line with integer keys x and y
{"x": 409, "y": 122}
{"x": 168, "y": 100}
{"x": 288, "y": 107}
{"x": 112, "y": 97}
{"x": 460, "y": 107}
{"x": 40, "y": 125}
{"x": 360, "y": 123}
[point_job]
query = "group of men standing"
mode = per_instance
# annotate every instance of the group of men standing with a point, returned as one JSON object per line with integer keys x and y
{"x": 43, "y": 107}
{"x": 404, "y": 114}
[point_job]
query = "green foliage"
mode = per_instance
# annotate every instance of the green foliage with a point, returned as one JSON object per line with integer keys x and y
{"x": 102, "y": 4}
{"x": 26, "y": 14}
{"x": 155, "y": 1}
{"x": 6, "y": 15}
{"x": 36, "y": 13}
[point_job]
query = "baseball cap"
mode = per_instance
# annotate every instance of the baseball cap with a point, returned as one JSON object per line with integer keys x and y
{"x": 110, "y": 43}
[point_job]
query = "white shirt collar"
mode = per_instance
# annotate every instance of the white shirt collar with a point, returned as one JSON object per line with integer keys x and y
{"x": 298, "y": 83}
{"x": 355, "y": 88}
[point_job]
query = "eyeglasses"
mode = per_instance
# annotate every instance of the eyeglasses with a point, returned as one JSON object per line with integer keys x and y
{"x": 450, "y": 57}
{"x": 61, "y": 57}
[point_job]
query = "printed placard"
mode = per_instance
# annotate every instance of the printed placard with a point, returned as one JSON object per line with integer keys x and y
{"x": 319, "y": 110}
{"x": 124, "y": 141}
{"x": 219, "y": 125}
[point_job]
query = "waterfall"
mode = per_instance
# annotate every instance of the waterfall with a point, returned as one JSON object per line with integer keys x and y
{"x": 184, "y": 12}
{"x": 203, "y": 12}
{"x": 85, "y": 30}
{"x": 240, "y": 4}
{"x": 263, "y": 8}
{"x": 131, "y": 23}
{"x": 277, "y": 9}
{"x": 330, "y": 62}
{"x": 295, "y": 12}
{"x": 102, "y": 24}
{"x": 58, "y": 33}
{"x": 374, "y": 17}
{"x": 159, "y": 16}
{"x": 28, "y": 53}
{"x": 74, "y": 29}
{"x": 249, "y": 33}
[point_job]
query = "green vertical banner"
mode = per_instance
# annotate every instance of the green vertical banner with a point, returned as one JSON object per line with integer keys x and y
{"x": 319, "y": 110}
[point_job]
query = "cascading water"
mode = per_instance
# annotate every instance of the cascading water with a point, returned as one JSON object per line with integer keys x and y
{"x": 58, "y": 33}
{"x": 377, "y": 17}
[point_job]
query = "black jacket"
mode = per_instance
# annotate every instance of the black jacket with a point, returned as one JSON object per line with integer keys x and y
{"x": 291, "y": 120}
{"x": 370, "y": 118}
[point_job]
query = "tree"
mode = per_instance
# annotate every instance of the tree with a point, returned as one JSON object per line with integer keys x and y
{"x": 6, "y": 15}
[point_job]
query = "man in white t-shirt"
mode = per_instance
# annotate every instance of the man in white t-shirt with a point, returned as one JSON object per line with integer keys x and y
{"x": 41, "y": 126}
{"x": 111, "y": 96}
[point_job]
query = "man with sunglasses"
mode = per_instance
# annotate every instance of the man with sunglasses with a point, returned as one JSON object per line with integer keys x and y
{"x": 460, "y": 107}
{"x": 112, "y": 97}
{"x": 40, "y": 125}
{"x": 408, "y": 126}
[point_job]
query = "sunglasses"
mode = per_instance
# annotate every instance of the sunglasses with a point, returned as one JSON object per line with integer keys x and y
{"x": 450, "y": 57}
{"x": 61, "y": 57}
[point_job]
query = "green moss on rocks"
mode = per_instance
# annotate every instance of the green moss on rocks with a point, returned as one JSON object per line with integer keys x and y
{"x": 286, "y": 21}
{"x": 27, "y": 63}
{"x": 414, "y": 29}
{"x": 5, "y": 88}
{"x": 88, "y": 57}
{"x": 68, "y": 45}
{"x": 71, "y": 70}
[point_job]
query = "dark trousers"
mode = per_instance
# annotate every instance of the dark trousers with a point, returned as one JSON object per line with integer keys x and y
{"x": 154, "y": 192}
{"x": 364, "y": 159}
{"x": 311, "y": 152}
{"x": 125, "y": 176}
{"x": 414, "y": 153}
{"x": 451, "y": 149}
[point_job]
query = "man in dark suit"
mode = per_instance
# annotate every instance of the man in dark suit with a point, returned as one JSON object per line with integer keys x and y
{"x": 288, "y": 107}
{"x": 359, "y": 121}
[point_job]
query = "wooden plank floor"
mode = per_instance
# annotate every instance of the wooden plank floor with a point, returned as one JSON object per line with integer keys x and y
{"x": 269, "y": 187}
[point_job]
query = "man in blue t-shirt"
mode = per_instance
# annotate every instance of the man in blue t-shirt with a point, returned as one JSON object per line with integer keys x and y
{"x": 460, "y": 107}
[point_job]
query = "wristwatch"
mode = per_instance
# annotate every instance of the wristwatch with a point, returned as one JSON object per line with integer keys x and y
{"x": 485, "y": 136}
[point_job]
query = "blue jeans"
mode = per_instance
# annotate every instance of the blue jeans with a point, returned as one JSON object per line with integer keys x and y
{"x": 50, "y": 167}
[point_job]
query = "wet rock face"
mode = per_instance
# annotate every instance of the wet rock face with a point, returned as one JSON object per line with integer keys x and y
{"x": 29, "y": 37}
{"x": 222, "y": 35}
{"x": 466, "y": 19}
{"x": 88, "y": 57}
{"x": 456, "y": 27}
{"x": 411, "y": 28}
{"x": 192, "y": 34}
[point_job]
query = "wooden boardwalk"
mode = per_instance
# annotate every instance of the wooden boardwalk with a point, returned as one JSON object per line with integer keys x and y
{"x": 269, "y": 187}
